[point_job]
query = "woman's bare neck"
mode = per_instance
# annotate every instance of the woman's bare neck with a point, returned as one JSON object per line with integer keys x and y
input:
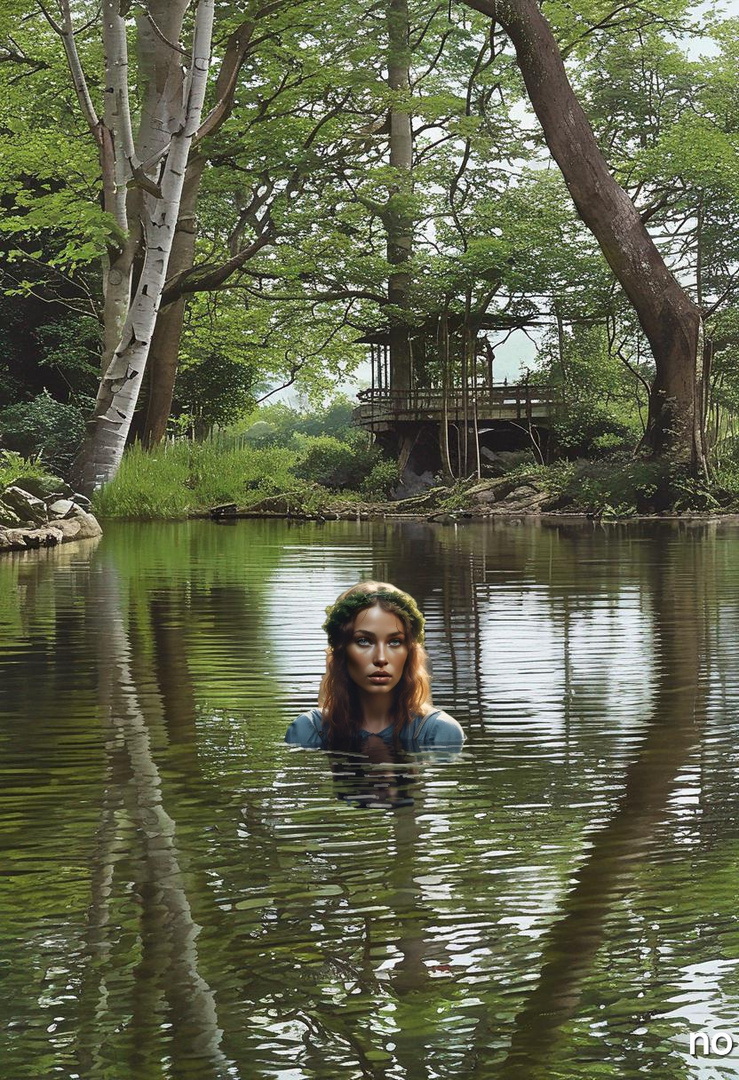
{"x": 375, "y": 714}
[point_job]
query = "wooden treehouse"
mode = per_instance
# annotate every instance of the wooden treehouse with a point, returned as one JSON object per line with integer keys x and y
{"x": 461, "y": 423}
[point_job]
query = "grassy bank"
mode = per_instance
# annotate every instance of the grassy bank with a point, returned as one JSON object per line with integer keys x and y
{"x": 183, "y": 479}
{"x": 627, "y": 486}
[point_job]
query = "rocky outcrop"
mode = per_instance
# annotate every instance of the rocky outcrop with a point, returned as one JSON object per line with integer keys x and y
{"x": 500, "y": 462}
{"x": 44, "y": 512}
{"x": 413, "y": 484}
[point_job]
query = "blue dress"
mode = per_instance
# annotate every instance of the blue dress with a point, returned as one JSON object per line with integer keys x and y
{"x": 435, "y": 729}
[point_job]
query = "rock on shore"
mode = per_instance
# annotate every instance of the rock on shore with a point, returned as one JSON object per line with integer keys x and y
{"x": 44, "y": 512}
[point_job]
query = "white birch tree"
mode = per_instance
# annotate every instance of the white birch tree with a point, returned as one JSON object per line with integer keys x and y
{"x": 143, "y": 178}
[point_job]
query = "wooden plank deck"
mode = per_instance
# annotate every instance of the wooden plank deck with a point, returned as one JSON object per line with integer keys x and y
{"x": 380, "y": 410}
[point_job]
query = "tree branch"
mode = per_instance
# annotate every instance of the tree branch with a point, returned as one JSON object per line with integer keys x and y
{"x": 321, "y": 298}
{"x": 14, "y": 54}
{"x": 175, "y": 46}
{"x": 66, "y": 33}
{"x": 202, "y": 279}
{"x": 238, "y": 47}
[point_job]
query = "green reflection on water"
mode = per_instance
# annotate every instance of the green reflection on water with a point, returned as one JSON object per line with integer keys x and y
{"x": 186, "y": 896}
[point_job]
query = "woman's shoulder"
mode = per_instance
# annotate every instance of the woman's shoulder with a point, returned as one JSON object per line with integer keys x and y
{"x": 306, "y": 729}
{"x": 438, "y": 727}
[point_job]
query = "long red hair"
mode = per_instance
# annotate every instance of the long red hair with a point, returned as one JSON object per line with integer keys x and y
{"x": 338, "y": 697}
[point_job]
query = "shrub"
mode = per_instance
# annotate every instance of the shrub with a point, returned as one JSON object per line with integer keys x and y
{"x": 628, "y": 486}
{"x": 589, "y": 430}
{"x": 14, "y": 469}
{"x": 326, "y": 460}
{"x": 44, "y": 428}
{"x": 382, "y": 480}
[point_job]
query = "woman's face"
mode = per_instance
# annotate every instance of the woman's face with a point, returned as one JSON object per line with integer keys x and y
{"x": 377, "y": 651}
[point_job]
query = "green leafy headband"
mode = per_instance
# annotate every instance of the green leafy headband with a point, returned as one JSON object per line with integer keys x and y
{"x": 344, "y": 610}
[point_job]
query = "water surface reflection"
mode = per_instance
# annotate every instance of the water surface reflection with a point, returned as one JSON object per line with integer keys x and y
{"x": 187, "y": 896}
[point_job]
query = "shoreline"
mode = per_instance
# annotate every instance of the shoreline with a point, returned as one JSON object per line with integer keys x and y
{"x": 21, "y": 540}
{"x": 42, "y": 512}
{"x": 454, "y": 518}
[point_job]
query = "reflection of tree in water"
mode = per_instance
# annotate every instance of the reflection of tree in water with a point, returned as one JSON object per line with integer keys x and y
{"x": 169, "y": 615}
{"x": 444, "y": 582}
{"x": 452, "y": 583}
{"x": 169, "y": 625}
{"x": 619, "y": 849}
{"x": 168, "y": 965}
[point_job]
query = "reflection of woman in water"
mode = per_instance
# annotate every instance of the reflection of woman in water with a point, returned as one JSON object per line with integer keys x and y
{"x": 376, "y": 683}
{"x": 380, "y": 776}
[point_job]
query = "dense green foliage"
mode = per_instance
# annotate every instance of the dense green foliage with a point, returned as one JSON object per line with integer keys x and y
{"x": 45, "y": 428}
{"x": 333, "y": 463}
{"x": 299, "y": 172}
{"x": 278, "y": 424}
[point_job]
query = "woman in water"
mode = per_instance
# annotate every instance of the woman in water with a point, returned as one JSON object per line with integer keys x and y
{"x": 376, "y": 683}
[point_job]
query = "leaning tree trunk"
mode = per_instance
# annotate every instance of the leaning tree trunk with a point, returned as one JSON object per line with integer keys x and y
{"x": 119, "y": 388}
{"x": 669, "y": 318}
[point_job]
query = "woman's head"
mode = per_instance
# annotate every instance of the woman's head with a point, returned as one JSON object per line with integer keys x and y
{"x": 365, "y": 594}
{"x": 375, "y": 634}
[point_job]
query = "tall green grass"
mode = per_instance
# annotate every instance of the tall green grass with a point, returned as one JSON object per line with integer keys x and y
{"x": 180, "y": 478}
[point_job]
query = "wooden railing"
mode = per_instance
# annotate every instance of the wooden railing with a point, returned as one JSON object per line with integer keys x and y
{"x": 520, "y": 401}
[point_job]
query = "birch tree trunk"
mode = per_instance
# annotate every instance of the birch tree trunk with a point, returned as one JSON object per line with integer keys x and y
{"x": 165, "y": 346}
{"x": 171, "y": 113}
{"x": 109, "y": 133}
{"x": 669, "y": 318}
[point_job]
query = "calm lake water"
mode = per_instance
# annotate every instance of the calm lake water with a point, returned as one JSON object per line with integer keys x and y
{"x": 185, "y": 896}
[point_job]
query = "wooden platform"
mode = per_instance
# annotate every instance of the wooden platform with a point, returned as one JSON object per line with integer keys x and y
{"x": 383, "y": 410}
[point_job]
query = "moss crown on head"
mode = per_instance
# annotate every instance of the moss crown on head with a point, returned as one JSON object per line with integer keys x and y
{"x": 344, "y": 610}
